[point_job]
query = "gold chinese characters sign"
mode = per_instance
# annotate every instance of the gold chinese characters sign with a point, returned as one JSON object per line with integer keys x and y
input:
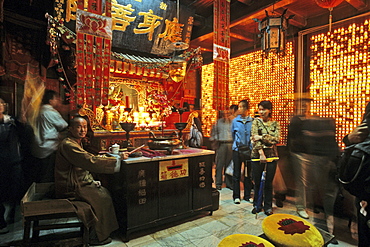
{"x": 147, "y": 25}
{"x": 172, "y": 169}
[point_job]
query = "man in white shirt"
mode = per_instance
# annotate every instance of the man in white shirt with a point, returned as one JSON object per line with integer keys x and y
{"x": 48, "y": 126}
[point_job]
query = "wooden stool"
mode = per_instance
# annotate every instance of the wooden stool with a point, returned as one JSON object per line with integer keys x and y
{"x": 36, "y": 207}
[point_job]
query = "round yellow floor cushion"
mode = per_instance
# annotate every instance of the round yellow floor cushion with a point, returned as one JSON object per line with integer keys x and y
{"x": 289, "y": 230}
{"x": 241, "y": 240}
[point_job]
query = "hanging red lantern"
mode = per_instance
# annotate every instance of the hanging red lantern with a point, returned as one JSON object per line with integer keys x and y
{"x": 328, "y": 4}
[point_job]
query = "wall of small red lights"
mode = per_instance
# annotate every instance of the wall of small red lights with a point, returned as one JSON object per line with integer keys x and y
{"x": 255, "y": 77}
{"x": 339, "y": 74}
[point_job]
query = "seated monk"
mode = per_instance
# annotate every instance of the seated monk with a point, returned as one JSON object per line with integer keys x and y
{"x": 73, "y": 179}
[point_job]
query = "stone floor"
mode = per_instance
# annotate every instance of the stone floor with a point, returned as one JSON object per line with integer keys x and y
{"x": 202, "y": 230}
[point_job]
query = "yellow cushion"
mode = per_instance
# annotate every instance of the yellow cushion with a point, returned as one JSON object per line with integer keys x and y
{"x": 289, "y": 230}
{"x": 237, "y": 240}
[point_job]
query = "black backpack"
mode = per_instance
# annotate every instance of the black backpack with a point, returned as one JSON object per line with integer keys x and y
{"x": 354, "y": 169}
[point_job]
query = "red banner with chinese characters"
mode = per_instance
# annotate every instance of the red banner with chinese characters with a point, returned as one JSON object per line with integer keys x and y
{"x": 106, "y": 64}
{"x": 221, "y": 56}
{"x": 98, "y": 69}
{"x": 94, "y": 34}
{"x": 80, "y": 61}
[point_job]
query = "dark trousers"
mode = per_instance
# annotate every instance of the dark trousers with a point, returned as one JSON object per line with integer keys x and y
{"x": 223, "y": 158}
{"x": 10, "y": 188}
{"x": 46, "y": 169}
{"x": 237, "y": 176}
{"x": 266, "y": 196}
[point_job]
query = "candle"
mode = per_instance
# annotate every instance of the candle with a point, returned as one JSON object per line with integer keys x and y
{"x": 127, "y": 101}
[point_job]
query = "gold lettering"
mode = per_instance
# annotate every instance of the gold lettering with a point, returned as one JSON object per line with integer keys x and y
{"x": 163, "y": 6}
{"x": 120, "y": 15}
{"x": 150, "y": 23}
{"x": 71, "y": 10}
{"x": 172, "y": 31}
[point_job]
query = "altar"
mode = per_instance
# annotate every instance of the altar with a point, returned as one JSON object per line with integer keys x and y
{"x": 149, "y": 192}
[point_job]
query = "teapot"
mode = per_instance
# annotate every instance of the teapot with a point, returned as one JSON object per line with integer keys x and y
{"x": 168, "y": 143}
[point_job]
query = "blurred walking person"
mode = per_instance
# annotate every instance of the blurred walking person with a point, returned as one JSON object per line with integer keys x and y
{"x": 48, "y": 126}
{"x": 222, "y": 138}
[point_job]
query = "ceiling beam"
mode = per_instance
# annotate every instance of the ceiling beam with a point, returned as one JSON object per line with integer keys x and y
{"x": 358, "y": 4}
{"x": 298, "y": 20}
{"x": 241, "y": 37}
{"x": 238, "y": 11}
{"x": 261, "y": 12}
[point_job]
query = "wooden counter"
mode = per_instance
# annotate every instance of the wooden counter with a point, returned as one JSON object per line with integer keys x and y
{"x": 148, "y": 192}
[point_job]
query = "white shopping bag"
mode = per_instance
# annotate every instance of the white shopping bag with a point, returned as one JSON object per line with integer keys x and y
{"x": 230, "y": 168}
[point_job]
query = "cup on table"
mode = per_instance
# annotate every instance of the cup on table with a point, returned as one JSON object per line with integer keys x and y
{"x": 114, "y": 149}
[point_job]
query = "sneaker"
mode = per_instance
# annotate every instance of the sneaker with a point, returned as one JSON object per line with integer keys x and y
{"x": 269, "y": 212}
{"x": 237, "y": 201}
{"x": 302, "y": 213}
{"x": 255, "y": 211}
{"x": 250, "y": 200}
{"x": 333, "y": 241}
{"x": 4, "y": 230}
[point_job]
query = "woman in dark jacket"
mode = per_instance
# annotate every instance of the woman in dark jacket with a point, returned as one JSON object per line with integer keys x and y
{"x": 10, "y": 167}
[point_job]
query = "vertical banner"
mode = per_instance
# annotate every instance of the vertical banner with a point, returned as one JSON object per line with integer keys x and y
{"x": 221, "y": 54}
{"x": 106, "y": 64}
{"x": 98, "y": 70}
{"x": 80, "y": 61}
{"x": 89, "y": 64}
{"x": 94, "y": 34}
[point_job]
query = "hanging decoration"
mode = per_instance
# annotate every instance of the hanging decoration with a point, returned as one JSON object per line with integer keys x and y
{"x": 221, "y": 55}
{"x": 273, "y": 32}
{"x": 94, "y": 34}
{"x": 55, "y": 32}
{"x": 329, "y": 4}
{"x": 177, "y": 67}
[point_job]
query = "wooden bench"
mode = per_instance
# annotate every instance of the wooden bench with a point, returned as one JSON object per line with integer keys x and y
{"x": 41, "y": 212}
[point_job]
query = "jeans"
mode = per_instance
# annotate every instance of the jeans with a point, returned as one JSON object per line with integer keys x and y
{"x": 237, "y": 176}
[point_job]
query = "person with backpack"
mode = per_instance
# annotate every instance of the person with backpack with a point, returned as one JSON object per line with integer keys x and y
{"x": 357, "y": 136}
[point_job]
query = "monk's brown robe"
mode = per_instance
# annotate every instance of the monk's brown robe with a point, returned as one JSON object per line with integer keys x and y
{"x": 73, "y": 179}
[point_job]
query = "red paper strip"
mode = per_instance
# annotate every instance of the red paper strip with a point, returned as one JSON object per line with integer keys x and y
{"x": 89, "y": 69}
{"x": 80, "y": 4}
{"x": 94, "y": 6}
{"x": 106, "y": 63}
{"x": 80, "y": 61}
{"x": 98, "y": 69}
{"x": 108, "y": 8}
